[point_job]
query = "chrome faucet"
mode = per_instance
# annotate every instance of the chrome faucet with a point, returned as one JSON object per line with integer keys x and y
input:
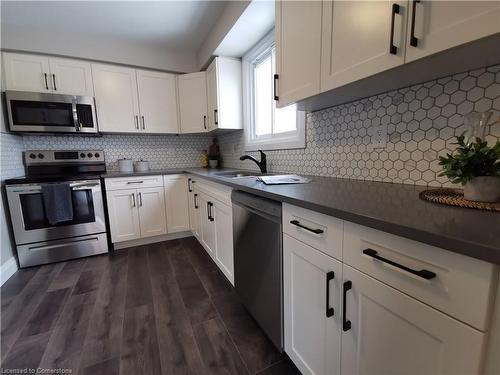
{"x": 262, "y": 163}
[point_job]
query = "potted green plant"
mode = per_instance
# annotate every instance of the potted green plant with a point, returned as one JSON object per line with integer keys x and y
{"x": 476, "y": 166}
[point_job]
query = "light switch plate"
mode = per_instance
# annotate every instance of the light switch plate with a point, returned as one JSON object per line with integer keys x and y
{"x": 379, "y": 136}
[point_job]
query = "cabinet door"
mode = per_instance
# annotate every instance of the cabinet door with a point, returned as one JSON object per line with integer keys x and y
{"x": 312, "y": 339}
{"x": 71, "y": 77}
{"x": 26, "y": 72}
{"x": 193, "y": 102}
{"x": 361, "y": 38}
{"x": 298, "y": 50}
{"x": 176, "y": 203}
{"x": 123, "y": 215}
{"x": 157, "y": 102}
{"x": 193, "y": 203}
{"x": 230, "y": 96}
{"x": 439, "y": 25}
{"x": 392, "y": 333}
{"x": 116, "y": 98}
{"x": 212, "y": 96}
{"x": 223, "y": 216}
{"x": 207, "y": 226}
{"x": 152, "y": 216}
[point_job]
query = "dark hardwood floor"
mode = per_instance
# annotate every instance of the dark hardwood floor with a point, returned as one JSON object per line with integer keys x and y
{"x": 157, "y": 309}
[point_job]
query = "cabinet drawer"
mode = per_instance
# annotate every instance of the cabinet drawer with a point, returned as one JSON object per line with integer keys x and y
{"x": 215, "y": 190}
{"x": 119, "y": 183}
{"x": 320, "y": 231}
{"x": 457, "y": 285}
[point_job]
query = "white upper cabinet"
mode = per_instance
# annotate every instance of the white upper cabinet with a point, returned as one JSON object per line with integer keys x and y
{"x": 298, "y": 50}
{"x": 392, "y": 333}
{"x": 224, "y": 94}
{"x": 116, "y": 98}
{"x": 434, "y": 26}
{"x": 361, "y": 38}
{"x": 37, "y": 73}
{"x": 26, "y": 72}
{"x": 71, "y": 77}
{"x": 192, "y": 90}
{"x": 176, "y": 203}
{"x": 157, "y": 102}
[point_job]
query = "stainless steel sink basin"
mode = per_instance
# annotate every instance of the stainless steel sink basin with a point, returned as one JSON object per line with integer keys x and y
{"x": 238, "y": 174}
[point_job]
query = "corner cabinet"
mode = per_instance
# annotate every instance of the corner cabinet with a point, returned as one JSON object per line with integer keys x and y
{"x": 193, "y": 111}
{"x": 36, "y": 73}
{"x": 135, "y": 101}
{"x": 224, "y": 94}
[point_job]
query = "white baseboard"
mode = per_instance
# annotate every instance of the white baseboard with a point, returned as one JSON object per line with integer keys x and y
{"x": 146, "y": 241}
{"x": 7, "y": 270}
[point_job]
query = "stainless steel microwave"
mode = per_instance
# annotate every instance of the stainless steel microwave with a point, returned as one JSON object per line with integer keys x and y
{"x": 50, "y": 113}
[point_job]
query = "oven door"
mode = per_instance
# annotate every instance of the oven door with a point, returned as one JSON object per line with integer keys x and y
{"x": 29, "y": 220}
{"x": 53, "y": 113}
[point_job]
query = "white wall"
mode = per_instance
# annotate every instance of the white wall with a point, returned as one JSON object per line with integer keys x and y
{"x": 101, "y": 49}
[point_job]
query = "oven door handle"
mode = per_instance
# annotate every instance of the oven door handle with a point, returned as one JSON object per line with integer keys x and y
{"x": 84, "y": 185}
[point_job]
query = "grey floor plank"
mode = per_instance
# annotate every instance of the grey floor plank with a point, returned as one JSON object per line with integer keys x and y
{"x": 217, "y": 350}
{"x": 46, "y": 314}
{"x": 19, "y": 311}
{"x": 69, "y": 275}
{"x": 108, "y": 367}
{"x": 138, "y": 283}
{"x": 140, "y": 353}
{"x": 15, "y": 284}
{"x": 66, "y": 342}
{"x": 284, "y": 367}
{"x": 198, "y": 304}
{"x": 255, "y": 348}
{"x": 88, "y": 281}
{"x": 105, "y": 331}
{"x": 26, "y": 352}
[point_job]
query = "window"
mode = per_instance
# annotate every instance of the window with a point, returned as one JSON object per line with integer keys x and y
{"x": 267, "y": 127}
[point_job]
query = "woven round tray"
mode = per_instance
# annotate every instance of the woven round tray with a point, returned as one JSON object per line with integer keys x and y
{"x": 455, "y": 197}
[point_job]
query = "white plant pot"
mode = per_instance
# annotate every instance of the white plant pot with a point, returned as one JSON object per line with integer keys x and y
{"x": 213, "y": 163}
{"x": 483, "y": 189}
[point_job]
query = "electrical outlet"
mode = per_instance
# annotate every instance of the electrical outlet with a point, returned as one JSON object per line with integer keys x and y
{"x": 379, "y": 136}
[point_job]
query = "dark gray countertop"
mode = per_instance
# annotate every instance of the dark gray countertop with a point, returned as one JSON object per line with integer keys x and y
{"x": 393, "y": 208}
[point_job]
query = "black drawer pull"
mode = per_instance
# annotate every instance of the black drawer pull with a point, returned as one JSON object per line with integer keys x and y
{"x": 392, "y": 48}
{"x": 346, "y": 324}
{"x": 329, "y": 276}
{"x": 195, "y": 200}
{"x": 424, "y": 274}
{"x": 297, "y": 223}
{"x": 189, "y": 185}
{"x": 413, "y": 38}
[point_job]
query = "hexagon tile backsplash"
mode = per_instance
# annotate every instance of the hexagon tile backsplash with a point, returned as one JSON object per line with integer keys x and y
{"x": 421, "y": 123}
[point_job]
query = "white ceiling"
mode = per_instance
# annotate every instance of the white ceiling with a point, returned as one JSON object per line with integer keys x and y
{"x": 181, "y": 25}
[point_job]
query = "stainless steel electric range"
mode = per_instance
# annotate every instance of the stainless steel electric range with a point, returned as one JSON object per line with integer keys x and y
{"x": 39, "y": 240}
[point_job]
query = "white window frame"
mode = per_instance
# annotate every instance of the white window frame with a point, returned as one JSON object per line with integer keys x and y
{"x": 289, "y": 140}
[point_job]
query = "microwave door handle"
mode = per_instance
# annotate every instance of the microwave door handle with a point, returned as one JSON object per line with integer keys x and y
{"x": 75, "y": 115}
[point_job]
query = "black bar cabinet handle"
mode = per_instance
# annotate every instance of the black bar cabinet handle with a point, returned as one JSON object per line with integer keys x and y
{"x": 297, "y": 224}
{"x": 329, "y": 276}
{"x": 346, "y": 324}
{"x": 204, "y": 122}
{"x": 275, "y": 82}
{"x": 216, "y": 117}
{"x": 424, "y": 274}
{"x": 46, "y": 82}
{"x": 392, "y": 48}
{"x": 195, "y": 200}
{"x": 413, "y": 38}
{"x": 54, "y": 81}
{"x": 189, "y": 185}
{"x": 208, "y": 210}
{"x": 211, "y": 212}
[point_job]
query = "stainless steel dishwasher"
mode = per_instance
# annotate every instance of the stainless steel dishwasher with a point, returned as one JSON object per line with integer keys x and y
{"x": 258, "y": 266}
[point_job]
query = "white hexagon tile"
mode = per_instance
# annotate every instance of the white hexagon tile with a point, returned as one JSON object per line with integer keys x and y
{"x": 421, "y": 120}
{"x": 11, "y": 160}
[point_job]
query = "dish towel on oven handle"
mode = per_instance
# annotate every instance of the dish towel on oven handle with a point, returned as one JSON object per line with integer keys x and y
{"x": 58, "y": 202}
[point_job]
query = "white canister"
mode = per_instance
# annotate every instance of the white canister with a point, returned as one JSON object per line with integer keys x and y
{"x": 125, "y": 165}
{"x": 141, "y": 166}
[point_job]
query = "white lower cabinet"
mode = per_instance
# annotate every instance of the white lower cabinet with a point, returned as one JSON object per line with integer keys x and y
{"x": 312, "y": 339}
{"x": 223, "y": 218}
{"x": 193, "y": 208}
{"x": 393, "y": 333}
{"x": 207, "y": 225}
{"x": 176, "y": 203}
{"x": 151, "y": 205}
{"x": 123, "y": 215}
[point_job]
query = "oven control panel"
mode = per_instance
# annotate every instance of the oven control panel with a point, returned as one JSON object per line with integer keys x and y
{"x": 37, "y": 157}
